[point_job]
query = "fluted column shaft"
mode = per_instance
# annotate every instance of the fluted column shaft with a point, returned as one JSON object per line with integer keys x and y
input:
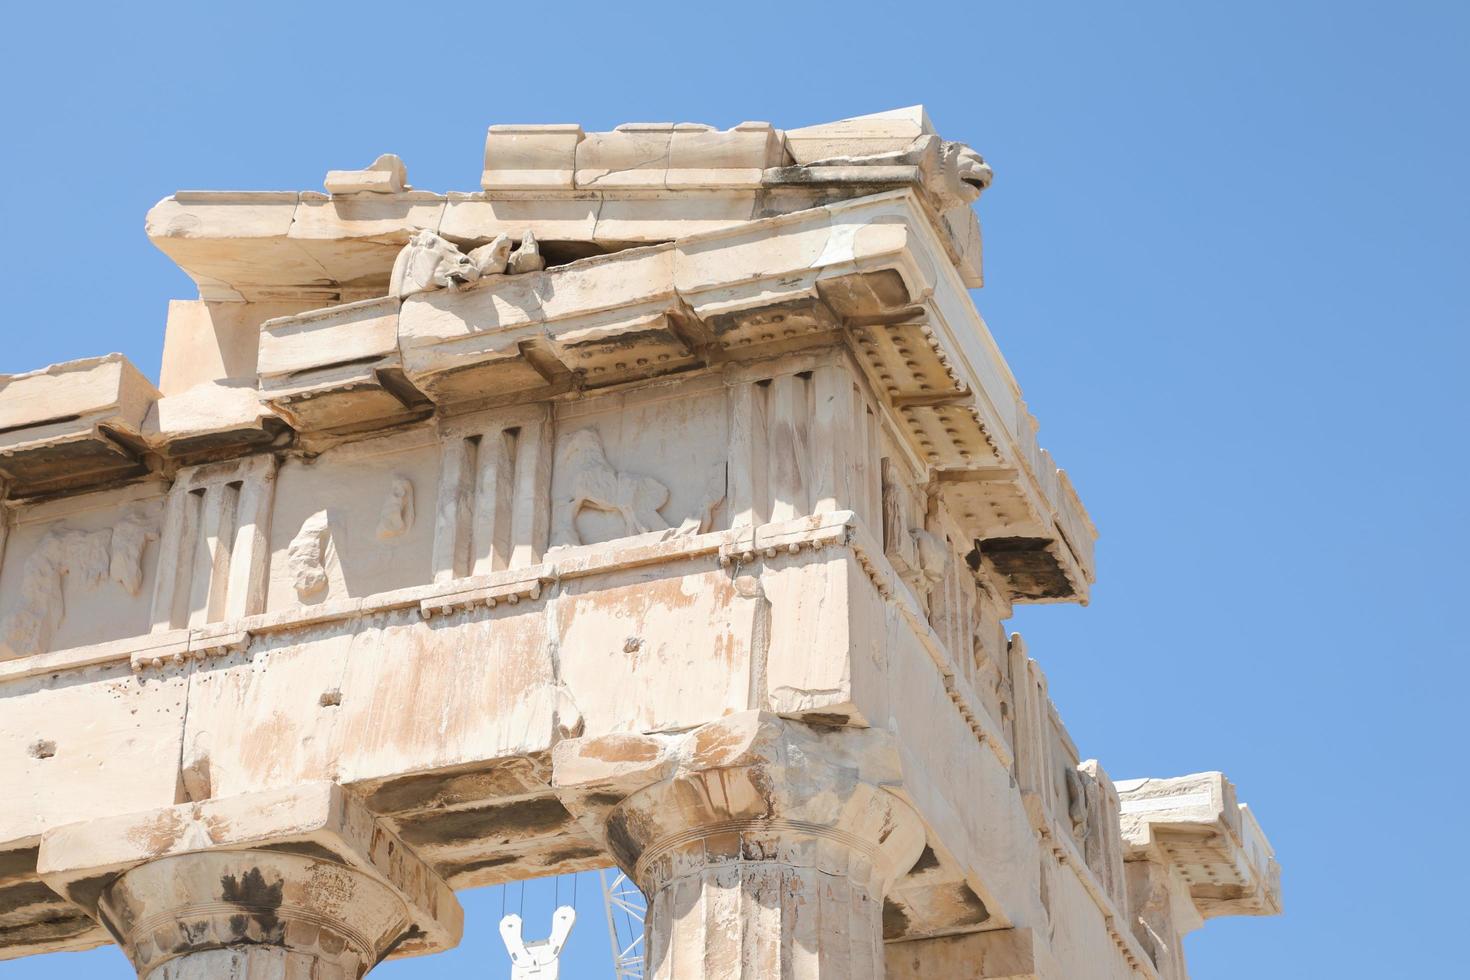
{"x": 765, "y": 900}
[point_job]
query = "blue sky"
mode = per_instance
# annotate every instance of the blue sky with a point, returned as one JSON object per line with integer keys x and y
{"x": 1226, "y": 258}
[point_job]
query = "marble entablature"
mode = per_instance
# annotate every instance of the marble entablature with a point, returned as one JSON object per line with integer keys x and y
{"x": 493, "y": 525}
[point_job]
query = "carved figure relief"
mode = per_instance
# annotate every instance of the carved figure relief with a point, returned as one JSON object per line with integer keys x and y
{"x": 638, "y": 500}
{"x": 494, "y": 258}
{"x": 933, "y": 563}
{"x": 431, "y": 262}
{"x": 953, "y": 173}
{"x": 84, "y": 558}
{"x": 40, "y": 604}
{"x": 526, "y": 258}
{"x": 306, "y": 557}
{"x": 962, "y": 176}
{"x": 596, "y": 484}
{"x": 130, "y": 537}
{"x": 397, "y": 516}
{"x": 1077, "y": 809}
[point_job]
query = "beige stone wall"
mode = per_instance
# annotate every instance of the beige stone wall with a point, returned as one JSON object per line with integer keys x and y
{"x": 654, "y": 510}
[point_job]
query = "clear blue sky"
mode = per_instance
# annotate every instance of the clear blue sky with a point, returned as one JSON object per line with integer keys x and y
{"x": 1227, "y": 260}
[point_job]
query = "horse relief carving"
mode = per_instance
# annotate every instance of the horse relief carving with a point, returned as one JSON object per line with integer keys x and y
{"x": 397, "y": 515}
{"x": 429, "y": 261}
{"x": 637, "y": 499}
{"x": 86, "y": 559}
{"x": 306, "y": 557}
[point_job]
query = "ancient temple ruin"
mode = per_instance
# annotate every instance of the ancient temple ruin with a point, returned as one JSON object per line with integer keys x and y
{"x": 660, "y": 504}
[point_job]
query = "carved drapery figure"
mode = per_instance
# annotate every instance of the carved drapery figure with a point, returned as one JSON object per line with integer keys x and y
{"x": 397, "y": 516}
{"x": 129, "y": 537}
{"x": 87, "y": 559}
{"x": 40, "y": 603}
{"x": 306, "y": 557}
{"x": 1077, "y": 808}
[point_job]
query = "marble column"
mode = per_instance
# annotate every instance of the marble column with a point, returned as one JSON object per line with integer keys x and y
{"x": 764, "y": 846}
{"x": 294, "y": 884}
{"x": 251, "y": 914}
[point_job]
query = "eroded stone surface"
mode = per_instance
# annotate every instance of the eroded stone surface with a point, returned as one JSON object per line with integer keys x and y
{"x": 661, "y": 503}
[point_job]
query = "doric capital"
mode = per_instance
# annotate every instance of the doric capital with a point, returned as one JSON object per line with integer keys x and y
{"x": 751, "y": 787}
{"x": 186, "y": 904}
{"x": 306, "y": 871}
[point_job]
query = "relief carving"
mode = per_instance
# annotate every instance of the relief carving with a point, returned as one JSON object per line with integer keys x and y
{"x": 431, "y": 262}
{"x": 1077, "y": 804}
{"x": 596, "y": 484}
{"x": 933, "y": 563}
{"x": 306, "y": 557}
{"x": 954, "y": 175}
{"x": 637, "y": 499}
{"x": 527, "y": 258}
{"x": 86, "y": 559}
{"x": 397, "y": 516}
{"x": 494, "y": 258}
{"x": 130, "y": 537}
{"x": 921, "y": 559}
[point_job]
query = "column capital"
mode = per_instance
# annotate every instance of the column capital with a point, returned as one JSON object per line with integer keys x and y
{"x": 764, "y": 846}
{"x": 751, "y": 786}
{"x": 308, "y": 873}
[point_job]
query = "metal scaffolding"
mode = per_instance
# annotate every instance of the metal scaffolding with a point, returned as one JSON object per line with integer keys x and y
{"x": 626, "y": 910}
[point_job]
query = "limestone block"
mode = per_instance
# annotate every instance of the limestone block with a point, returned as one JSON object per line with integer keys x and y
{"x": 102, "y": 735}
{"x": 385, "y": 175}
{"x": 210, "y": 418}
{"x": 337, "y": 369}
{"x": 879, "y": 132}
{"x": 73, "y": 424}
{"x": 354, "y": 238}
{"x": 704, "y": 158}
{"x": 1086, "y": 939}
{"x": 316, "y": 822}
{"x": 231, "y": 243}
{"x": 214, "y": 341}
{"x": 626, "y": 654}
{"x": 480, "y": 218}
{"x": 652, "y": 219}
{"x": 530, "y": 157}
{"x": 633, "y": 155}
{"x": 506, "y": 335}
{"x": 1194, "y": 824}
{"x": 1003, "y": 954}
